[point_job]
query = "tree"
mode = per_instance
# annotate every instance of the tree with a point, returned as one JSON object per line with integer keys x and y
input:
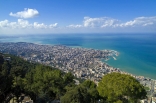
{"x": 78, "y": 94}
{"x": 68, "y": 82}
{"x": 68, "y": 79}
{"x": 5, "y": 79}
{"x": 91, "y": 89}
{"x": 1, "y": 60}
{"x": 86, "y": 92}
{"x": 43, "y": 82}
{"x": 120, "y": 88}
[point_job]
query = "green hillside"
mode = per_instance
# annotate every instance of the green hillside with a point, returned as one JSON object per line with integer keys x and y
{"x": 44, "y": 84}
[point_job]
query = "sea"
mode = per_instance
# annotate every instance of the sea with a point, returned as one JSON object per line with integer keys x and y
{"x": 137, "y": 52}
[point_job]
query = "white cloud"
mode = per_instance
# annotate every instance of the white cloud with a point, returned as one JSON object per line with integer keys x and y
{"x": 146, "y": 24}
{"x": 89, "y": 25}
{"x": 24, "y": 24}
{"x": 4, "y": 23}
{"x": 139, "y": 22}
{"x": 43, "y": 26}
{"x": 107, "y": 24}
{"x": 74, "y": 26}
{"x": 99, "y": 22}
{"x": 104, "y": 22}
{"x": 53, "y": 25}
{"x": 27, "y": 13}
{"x": 40, "y": 26}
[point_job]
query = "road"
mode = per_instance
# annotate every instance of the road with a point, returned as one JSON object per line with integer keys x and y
{"x": 152, "y": 87}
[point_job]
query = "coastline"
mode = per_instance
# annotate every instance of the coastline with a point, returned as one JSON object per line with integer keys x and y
{"x": 136, "y": 56}
{"x": 124, "y": 72}
{"x": 112, "y": 54}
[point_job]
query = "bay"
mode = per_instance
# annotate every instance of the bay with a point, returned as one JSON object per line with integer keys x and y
{"x": 137, "y": 52}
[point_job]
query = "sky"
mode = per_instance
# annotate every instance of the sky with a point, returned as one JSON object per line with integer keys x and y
{"x": 77, "y": 16}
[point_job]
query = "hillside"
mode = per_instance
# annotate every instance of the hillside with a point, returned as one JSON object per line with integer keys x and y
{"x": 44, "y": 84}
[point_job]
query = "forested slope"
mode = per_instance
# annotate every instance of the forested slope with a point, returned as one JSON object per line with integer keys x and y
{"x": 43, "y": 83}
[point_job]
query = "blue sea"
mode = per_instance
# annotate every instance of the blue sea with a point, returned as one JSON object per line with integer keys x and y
{"x": 137, "y": 52}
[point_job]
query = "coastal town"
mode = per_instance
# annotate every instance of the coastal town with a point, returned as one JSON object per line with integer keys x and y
{"x": 81, "y": 62}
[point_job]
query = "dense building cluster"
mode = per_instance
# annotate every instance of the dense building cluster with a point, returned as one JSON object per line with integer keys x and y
{"x": 83, "y": 63}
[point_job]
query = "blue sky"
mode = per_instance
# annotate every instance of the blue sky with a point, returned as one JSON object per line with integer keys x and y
{"x": 77, "y": 16}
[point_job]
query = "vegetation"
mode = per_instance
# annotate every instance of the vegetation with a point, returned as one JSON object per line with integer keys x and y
{"x": 146, "y": 88}
{"x": 83, "y": 93}
{"x": 10, "y": 72}
{"x": 43, "y": 84}
{"x": 121, "y": 88}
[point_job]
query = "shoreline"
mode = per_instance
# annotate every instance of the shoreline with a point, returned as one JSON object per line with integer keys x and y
{"x": 113, "y": 53}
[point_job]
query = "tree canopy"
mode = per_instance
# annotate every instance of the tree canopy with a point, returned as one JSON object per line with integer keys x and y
{"x": 121, "y": 88}
{"x": 86, "y": 92}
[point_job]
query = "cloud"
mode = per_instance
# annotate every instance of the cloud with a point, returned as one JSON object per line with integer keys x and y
{"x": 75, "y": 26}
{"x": 24, "y": 24}
{"x": 107, "y": 24}
{"x": 27, "y": 13}
{"x": 88, "y": 25}
{"x": 99, "y": 22}
{"x": 4, "y": 23}
{"x": 104, "y": 22}
{"x": 140, "y": 22}
{"x": 39, "y": 26}
{"x": 43, "y": 26}
{"x": 53, "y": 25}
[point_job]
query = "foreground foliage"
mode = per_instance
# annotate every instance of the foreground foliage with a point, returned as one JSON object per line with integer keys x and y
{"x": 83, "y": 93}
{"x": 44, "y": 84}
{"x": 121, "y": 88}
